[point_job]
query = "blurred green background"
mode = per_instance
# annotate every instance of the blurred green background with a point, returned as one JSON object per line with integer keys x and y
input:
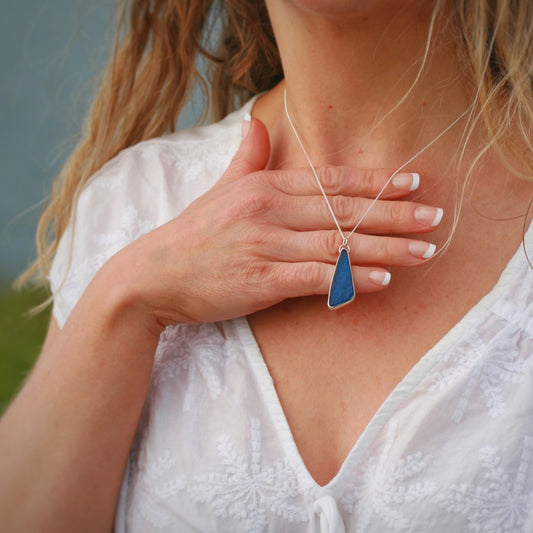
{"x": 50, "y": 52}
{"x": 21, "y": 337}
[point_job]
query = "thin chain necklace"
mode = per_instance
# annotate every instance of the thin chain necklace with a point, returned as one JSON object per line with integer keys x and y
{"x": 342, "y": 289}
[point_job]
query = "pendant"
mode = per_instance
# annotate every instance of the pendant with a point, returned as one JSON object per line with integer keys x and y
{"x": 341, "y": 290}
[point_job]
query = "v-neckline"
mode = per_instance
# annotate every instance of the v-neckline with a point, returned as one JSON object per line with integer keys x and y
{"x": 394, "y": 400}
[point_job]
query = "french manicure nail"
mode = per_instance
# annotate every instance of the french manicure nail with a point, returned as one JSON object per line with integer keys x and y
{"x": 407, "y": 181}
{"x": 425, "y": 250}
{"x": 379, "y": 277}
{"x": 246, "y": 124}
{"x": 428, "y": 215}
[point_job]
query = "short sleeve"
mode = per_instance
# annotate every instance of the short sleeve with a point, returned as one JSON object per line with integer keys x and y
{"x": 142, "y": 188}
{"x": 119, "y": 204}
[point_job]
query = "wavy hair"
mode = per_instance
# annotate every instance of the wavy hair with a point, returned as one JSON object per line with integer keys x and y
{"x": 154, "y": 66}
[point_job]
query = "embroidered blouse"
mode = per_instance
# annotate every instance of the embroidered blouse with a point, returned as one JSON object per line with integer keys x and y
{"x": 451, "y": 449}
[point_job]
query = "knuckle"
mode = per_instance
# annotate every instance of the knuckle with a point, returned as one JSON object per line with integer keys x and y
{"x": 395, "y": 214}
{"x": 308, "y": 275}
{"x": 329, "y": 243}
{"x": 343, "y": 206}
{"x": 284, "y": 178}
{"x": 366, "y": 180}
{"x": 258, "y": 177}
{"x": 263, "y": 179}
{"x": 329, "y": 178}
{"x": 281, "y": 279}
{"x": 256, "y": 237}
{"x": 257, "y": 273}
{"x": 384, "y": 250}
{"x": 251, "y": 203}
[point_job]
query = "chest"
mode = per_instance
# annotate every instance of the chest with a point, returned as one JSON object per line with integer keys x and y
{"x": 333, "y": 370}
{"x": 450, "y": 450}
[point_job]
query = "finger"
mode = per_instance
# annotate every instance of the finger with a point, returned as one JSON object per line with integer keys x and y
{"x": 253, "y": 152}
{"x": 312, "y": 213}
{"x": 323, "y": 246}
{"x": 344, "y": 181}
{"x": 310, "y": 278}
{"x": 389, "y": 251}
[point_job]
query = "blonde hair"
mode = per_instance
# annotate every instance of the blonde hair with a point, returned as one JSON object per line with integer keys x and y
{"x": 153, "y": 69}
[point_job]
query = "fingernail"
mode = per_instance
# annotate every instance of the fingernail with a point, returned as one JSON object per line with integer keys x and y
{"x": 379, "y": 277}
{"x": 425, "y": 250}
{"x": 246, "y": 124}
{"x": 428, "y": 215}
{"x": 406, "y": 181}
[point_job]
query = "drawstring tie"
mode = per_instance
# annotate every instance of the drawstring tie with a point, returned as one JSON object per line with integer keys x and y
{"x": 330, "y": 519}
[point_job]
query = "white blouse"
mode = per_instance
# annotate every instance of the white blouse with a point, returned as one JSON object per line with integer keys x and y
{"x": 450, "y": 450}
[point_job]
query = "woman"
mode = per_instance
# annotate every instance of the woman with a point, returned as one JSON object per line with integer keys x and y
{"x": 408, "y": 409}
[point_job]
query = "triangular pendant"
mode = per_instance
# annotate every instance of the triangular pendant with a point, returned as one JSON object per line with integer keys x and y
{"x": 341, "y": 290}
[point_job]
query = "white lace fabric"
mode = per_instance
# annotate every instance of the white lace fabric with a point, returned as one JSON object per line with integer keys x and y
{"x": 451, "y": 449}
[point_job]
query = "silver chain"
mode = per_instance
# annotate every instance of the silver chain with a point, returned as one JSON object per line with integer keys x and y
{"x": 344, "y": 237}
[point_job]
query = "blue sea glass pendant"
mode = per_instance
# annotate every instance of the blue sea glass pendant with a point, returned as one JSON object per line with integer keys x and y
{"x": 341, "y": 290}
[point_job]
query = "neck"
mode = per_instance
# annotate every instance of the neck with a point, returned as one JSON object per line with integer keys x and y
{"x": 350, "y": 82}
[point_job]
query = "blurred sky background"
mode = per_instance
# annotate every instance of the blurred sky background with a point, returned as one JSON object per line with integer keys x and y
{"x": 50, "y": 51}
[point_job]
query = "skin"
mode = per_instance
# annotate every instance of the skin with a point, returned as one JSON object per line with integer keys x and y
{"x": 65, "y": 439}
{"x": 349, "y": 361}
{"x": 263, "y": 232}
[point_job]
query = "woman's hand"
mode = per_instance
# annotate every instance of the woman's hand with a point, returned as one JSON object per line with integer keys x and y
{"x": 260, "y": 236}
{"x": 256, "y": 238}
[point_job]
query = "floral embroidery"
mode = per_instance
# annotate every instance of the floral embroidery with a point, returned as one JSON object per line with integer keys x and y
{"x": 496, "y": 503}
{"x": 378, "y": 489}
{"x": 488, "y": 369}
{"x": 176, "y": 158}
{"x": 74, "y": 278}
{"x": 130, "y": 227}
{"x": 245, "y": 490}
{"x": 156, "y": 486}
{"x": 111, "y": 175}
{"x": 250, "y": 487}
{"x": 197, "y": 351}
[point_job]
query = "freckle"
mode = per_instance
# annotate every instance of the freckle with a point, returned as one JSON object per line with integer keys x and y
{"x": 355, "y": 321}
{"x": 343, "y": 311}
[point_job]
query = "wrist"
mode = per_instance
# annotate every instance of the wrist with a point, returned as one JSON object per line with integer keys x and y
{"x": 120, "y": 299}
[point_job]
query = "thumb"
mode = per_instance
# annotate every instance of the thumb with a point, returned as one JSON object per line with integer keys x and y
{"x": 253, "y": 152}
